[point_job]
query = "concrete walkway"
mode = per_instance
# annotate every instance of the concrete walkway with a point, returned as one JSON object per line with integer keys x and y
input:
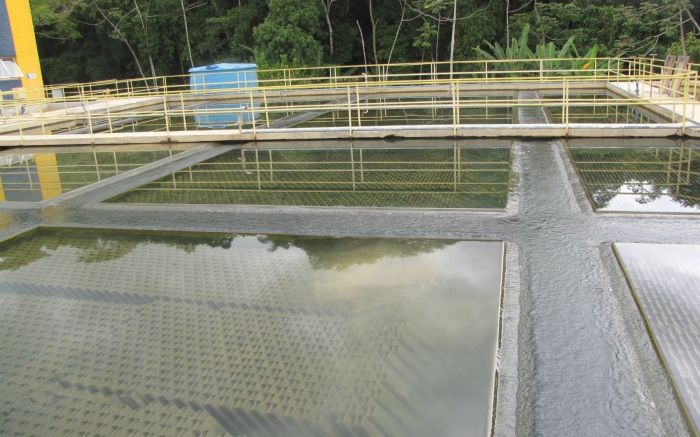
{"x": 644, "y": 90}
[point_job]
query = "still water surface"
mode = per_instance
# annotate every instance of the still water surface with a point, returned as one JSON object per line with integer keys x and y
{"x": 665, "y": 279}
{"x": 645, "y": 179}
{"x": 114, "y": 332}
{"x": 456, "y": 176}
{"x": 42, "y": 174}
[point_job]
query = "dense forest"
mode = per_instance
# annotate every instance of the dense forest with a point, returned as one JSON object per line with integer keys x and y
{"x": 85, "y": 40}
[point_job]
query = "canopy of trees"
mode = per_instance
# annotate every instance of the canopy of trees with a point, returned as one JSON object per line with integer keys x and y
{"x": 84, "y": 40}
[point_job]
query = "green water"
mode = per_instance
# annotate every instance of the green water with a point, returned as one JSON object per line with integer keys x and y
{"x": 121, "y": 333}
{"x": 457, "y": 177}
{"x": 28, "y": 176}
{"x": 648, "y": 179}
{"x": 418, "y": 112}
{"x": 600, "y": 108}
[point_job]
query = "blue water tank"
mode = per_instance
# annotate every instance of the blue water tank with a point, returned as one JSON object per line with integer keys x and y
{"x": 223, "y": 76}
{"x": 217, "y": 78}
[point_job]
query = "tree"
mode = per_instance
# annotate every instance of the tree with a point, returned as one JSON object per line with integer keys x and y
{"x": 288, "y": 36}
{"x": 327, "y": 5}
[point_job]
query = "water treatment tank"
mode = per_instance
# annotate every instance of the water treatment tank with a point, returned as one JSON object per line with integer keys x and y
{"x": 223, "y": 76}
{"x": 224, "y": 79}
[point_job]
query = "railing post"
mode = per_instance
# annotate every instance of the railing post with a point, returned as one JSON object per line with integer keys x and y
{"x": 86, "y": 108}
{"x": 252, "y": 110}
{"x": 357, "y": 102}
{"x": 349, "y": 112}
{"x": 267, "y": 114}
{"x": 695, "y": 92}
{"x": 458, "y": 103}
{"x": 541, "y": 69}
{"x": 565, "y": 98}
{"x": 454, "y": 109}
{"x": 41, "y": 117}
{"x": 182, "y": 109}
{"x": 165, "y": 114}
{"x": 685, "y": 102}
{"x": 109, "y": 116}
{"x": 595, "y": 69}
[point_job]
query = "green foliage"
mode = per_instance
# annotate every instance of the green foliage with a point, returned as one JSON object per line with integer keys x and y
{"x": 617, "y": 28}
{"x": 288, "y": 36}
{"x": 555, "y": 58}
{"x": 692, "y": 45}
{"x": 78, "y": 43}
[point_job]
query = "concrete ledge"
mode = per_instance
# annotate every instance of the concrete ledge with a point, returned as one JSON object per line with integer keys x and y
{"x": 325, "y": 133}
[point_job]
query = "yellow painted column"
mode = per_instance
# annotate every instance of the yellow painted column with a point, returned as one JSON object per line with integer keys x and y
{"x": 2, "y": 192}
{"x": 26, "y": 53}
{"x": 49, "y": 178}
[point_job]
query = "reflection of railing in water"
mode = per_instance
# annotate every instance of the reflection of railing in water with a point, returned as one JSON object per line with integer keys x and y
{"x": 354, "y": 175}
{"x": 602, "y": 108}
{"x": 640, "y": 172}
{"x": 49, "y": 174}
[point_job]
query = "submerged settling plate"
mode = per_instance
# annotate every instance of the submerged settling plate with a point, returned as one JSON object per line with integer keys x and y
{"x": 120, "y": 333}
{"x": 41, "y": 174}
{"x": 645, "y": 179}
{"x": 375, "y": 174}
{"x": 665, "y": 279}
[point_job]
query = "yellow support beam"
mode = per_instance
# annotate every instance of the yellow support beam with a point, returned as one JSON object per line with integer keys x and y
{"x": 26, "y": 53}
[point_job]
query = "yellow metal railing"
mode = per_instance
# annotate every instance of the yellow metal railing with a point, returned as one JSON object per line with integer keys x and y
{"x": 352, "y": 96}
{"x": 424, "y": 73}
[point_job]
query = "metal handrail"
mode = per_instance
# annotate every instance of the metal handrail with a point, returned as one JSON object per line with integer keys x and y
{"x": 355, "y": 97}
